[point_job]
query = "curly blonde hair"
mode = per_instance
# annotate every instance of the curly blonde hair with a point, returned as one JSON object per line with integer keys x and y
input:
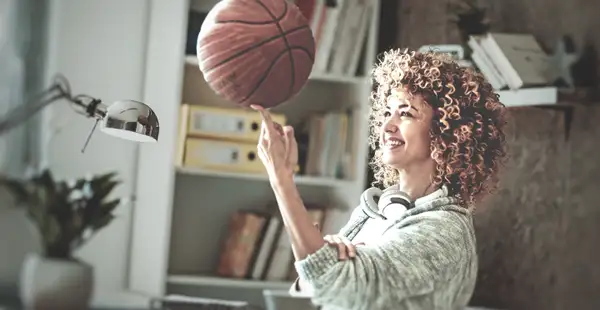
{"x": 467, "y": 129}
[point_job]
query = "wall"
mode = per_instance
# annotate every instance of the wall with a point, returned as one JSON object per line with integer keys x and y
{"x": 100, "y": 46}
{"x": 22, "y": 44}
{"x": 537, "y": 236}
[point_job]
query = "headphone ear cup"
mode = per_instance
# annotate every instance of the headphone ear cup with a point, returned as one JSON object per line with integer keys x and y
{"x": 398, "y": 198}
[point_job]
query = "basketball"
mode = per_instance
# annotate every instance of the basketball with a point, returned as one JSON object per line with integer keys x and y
{"x": 256, "y": 51}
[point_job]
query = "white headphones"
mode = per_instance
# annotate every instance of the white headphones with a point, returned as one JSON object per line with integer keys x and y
{"x": 390, "y": 197}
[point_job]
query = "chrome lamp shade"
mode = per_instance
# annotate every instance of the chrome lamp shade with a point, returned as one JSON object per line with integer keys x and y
{"x": 126, "y": 119}
{"x": 130, "y": 120}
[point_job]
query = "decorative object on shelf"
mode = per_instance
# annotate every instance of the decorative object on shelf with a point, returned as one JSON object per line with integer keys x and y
{"x": 67, "y": 215}
{"x": 247, "y": 64}
{"x": 470, "y": 18}
{"x": 585, "y": 71}
{"x": 126, "y": 119}
{"x": 456, "y": 51}
{"x": 562, "y": 61}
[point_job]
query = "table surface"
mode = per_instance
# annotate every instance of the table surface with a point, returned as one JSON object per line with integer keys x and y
{"x": 12, "y": 304}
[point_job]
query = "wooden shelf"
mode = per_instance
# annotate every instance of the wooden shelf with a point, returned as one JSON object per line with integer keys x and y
{"x": 300, "y": 180}
{"x": 529, "y": 97}
{"x": 192, "y": 60}
{"x": 212, "y": 281}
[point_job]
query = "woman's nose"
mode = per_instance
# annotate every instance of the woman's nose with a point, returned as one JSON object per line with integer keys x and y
{"x": 389, "y": 126}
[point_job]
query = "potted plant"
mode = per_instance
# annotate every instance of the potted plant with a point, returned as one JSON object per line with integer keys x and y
{"x": 67, "y": 215}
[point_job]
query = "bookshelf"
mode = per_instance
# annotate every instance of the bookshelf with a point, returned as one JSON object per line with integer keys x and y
{"x": 299, "y": 179}
{"x": 181, "y": 224}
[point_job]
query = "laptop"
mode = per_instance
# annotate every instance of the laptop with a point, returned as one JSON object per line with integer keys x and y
{"x": 282, "y": 300}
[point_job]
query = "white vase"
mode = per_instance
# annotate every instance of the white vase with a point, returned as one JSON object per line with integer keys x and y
{"x": 55, "y": 284}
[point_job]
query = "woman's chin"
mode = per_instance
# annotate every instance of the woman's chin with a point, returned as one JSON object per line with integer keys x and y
{"x": 392, "y": 161}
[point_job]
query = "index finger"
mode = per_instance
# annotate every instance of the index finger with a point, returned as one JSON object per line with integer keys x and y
{"x": 266, "y": 117}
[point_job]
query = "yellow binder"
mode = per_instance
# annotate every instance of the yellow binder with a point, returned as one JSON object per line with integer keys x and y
{"x": 226, "y": 124}
{"x": 222, "y": 156}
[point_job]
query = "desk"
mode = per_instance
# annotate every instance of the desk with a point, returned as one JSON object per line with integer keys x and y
{"x": 14, "y": 304}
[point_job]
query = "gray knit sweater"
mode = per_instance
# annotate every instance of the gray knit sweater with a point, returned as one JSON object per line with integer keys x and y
{"x": 421, "y": 259}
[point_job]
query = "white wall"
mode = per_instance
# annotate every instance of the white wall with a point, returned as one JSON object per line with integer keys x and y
{"x": 22, "y": 47}
{"x": 100, "y": 46}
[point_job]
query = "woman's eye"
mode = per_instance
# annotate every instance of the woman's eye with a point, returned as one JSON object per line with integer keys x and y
{"x": 405, "y": 114}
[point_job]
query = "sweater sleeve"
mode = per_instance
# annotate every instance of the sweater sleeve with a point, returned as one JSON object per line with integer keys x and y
{"x": 302, "y": 288}
{"x": 405, "y": 262}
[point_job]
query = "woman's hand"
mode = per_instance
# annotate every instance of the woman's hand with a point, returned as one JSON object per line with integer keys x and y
{"x": 277, "y": 146}
{"x": 346, "y": 249}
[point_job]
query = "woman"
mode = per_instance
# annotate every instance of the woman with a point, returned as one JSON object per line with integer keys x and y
{"x": 438, "y": 130}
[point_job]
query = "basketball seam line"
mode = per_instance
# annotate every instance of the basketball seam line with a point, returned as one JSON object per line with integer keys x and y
{"x": 245, "y": 22}
{"x": 258, "y": 44}
{"x": 271, "y": 65}
{"x": 287, "y": 45}
{"x": 236, "y": 21}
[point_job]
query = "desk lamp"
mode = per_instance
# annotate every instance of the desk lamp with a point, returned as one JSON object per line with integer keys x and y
{"x": 126, "y": 119}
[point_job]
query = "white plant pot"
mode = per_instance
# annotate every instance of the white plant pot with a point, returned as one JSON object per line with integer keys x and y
{"x": 55, "y": 284}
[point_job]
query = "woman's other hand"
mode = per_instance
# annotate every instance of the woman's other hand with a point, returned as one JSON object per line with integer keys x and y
{"x": 346, "y": 249}
{"x": 277, "y": 146}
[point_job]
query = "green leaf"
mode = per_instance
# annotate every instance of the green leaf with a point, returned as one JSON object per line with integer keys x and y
{"x": 46, "y": 181}
{"x": 79, "y": 220}
{"x": 17, "y": 189}
{"x": 103, "y": 178}
{"x": 37, "y": 214}
{"x": 102, "y": 222}
{"x": 104, "y": 190}
{"x": 109, "y": 207}
{"x": 51, "y": 231}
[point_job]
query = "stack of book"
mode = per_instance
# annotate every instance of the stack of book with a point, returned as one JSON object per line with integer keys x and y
{"x": 510, "y": 60}
{"x": 258, "y": 247}
{"x": 327, "y": 150}
{"x": 340, "y": 29}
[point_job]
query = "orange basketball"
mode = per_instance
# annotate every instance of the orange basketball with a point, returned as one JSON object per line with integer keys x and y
{"x": 256, "y": 51}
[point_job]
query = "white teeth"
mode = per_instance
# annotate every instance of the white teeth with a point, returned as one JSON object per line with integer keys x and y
{"x": 393, "y": 142}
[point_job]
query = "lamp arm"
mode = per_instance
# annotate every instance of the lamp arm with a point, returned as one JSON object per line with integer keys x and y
{"x": 59, "y": 90}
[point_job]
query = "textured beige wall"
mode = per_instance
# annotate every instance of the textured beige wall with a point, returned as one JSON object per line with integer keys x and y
{"x": 539, "y": 237}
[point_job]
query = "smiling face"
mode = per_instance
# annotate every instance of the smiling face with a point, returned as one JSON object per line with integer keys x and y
{"x": 405, "y": 140}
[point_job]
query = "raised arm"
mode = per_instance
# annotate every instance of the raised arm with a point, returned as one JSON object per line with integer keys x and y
{"x": 408, "y": 261}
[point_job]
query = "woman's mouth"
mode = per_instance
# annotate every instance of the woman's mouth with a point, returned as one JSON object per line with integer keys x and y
{"x": 393, "y": 143}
